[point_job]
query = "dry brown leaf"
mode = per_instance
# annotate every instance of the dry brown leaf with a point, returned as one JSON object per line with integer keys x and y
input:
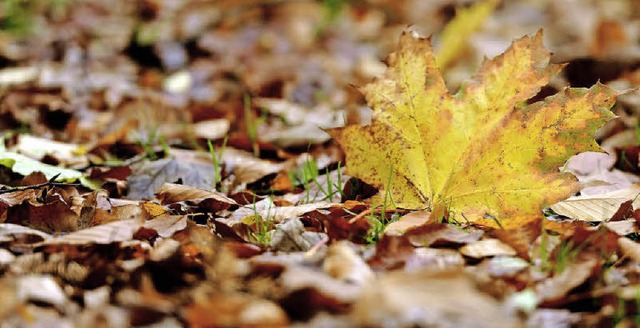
{"x": 441, "y": 233}
{"x": 103, "y": 234}
{"x": 574, "y": 275}
{"x": 237, "y": 310}
{"x": 172, "y": 193}
{"x": 148, "y": 176}
{"x": 520, "y": 238}
{"x": 167, "y": 225}
{"x": 406, "y": 222}
{"x": 487, "y": 247}
{"x": 52, "y": 214}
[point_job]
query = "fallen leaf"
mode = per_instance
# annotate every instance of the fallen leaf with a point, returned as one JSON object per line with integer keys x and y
{"x": 235, "y": 310}
{"x": 290, "y": 236}
{"x": 167, "y": 225}
{"x": 520, "y": 238}
{"x": 246, "y": 167}
{"x": 211, "y": 129}
{"x": 629, "y": 248}
{"x": 438, "y": 234}
{"x": 429, "y": 298}
{"x": 434, "y": 258}
{"x": 148, "y": 176}
{"x": 392, "y": 252}
{"x": 486, "y": 248}
{"x": 103, "y": 234}
{"x": 10, "y": 229}
{"x": 215, "y": 201}
{"x": 505, "y": 266}
{"x": 596, "y": 208}
{"x": 595, "y": 172}
{"x": 572, "y": 276}
{"x": 41, "y": 288}
{"x": 37, "y": 148}
{"x": 622, "y": 228}
{"x": 483, "y": 154}
{"x": 267, "y": 210}
{"x": 344, "y": 264}
{"x": 52, "y": 214}
{"x": 406, "y": 222}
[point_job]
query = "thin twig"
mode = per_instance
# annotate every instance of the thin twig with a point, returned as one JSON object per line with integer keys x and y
{"x": 313, "y": 250}
{"x": 51, "y": 182}
{"x": 369, "y": 211}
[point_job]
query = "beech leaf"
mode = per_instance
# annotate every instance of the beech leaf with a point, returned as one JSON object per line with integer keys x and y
{"x": 484, "y": 154}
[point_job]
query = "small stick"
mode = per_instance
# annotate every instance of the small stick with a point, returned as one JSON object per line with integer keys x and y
{"x": 369, "y": 211}
{"x": 316, "y": 247}
{"x": 40, "y": 185}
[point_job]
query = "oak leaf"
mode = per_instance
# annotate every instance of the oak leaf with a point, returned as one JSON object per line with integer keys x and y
{"x": 485, "y": 153}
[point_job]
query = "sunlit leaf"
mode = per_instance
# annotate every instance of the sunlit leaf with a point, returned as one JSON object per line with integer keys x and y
{"x": 483, "y": 153}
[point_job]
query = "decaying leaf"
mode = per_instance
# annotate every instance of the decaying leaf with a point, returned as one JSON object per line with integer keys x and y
{"x": 595, "y": 208}
{"x": 147, "y": 177}
{"x": 291, "y": 236}
{"x": 483, "y": 153}
{"x": 211, "y": 200}
{"x": 344, "y": 264}
{"x": 487, "y": 247}
{"x": 103, "y": 234}
{"x": 629, "y": 248}
{"x": 429, "y": 298}
{"x": 559, "y": 285}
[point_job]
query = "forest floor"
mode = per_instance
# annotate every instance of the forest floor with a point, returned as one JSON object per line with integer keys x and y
{"x": 167, "y": 164}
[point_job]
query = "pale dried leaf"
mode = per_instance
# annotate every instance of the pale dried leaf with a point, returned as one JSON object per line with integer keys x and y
{"x": 406, "y": 222}
{"x": 629, "y": 248}
{"x": 344, "y": 264}
{"x": 487, "y": 247}
{"x": 436, "y": 233}
{"x": 41, "y": 288}
{"x": 429, "y": 298}
{"x": 622, "y": 228}
{"x": 434, "y": 258}
{"x": 266, "y": 210}
{"x": 10, "y": 229}
{"x": 103, "y": 234}
{"x": 211, "y": 129}
{"x": 148, "y": 176}
{"x": 173, "y": 193}
{"x": 291, "y": 236}
{"x": 561, "y": 284}
{"x": 597, "y": 208}
{"x": 167, "y": 225}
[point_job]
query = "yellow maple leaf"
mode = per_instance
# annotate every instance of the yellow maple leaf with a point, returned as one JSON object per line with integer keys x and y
{"x": 484, "y": 153}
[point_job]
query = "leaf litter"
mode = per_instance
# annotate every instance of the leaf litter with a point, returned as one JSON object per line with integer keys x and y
{"x": 169, "y": 165}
